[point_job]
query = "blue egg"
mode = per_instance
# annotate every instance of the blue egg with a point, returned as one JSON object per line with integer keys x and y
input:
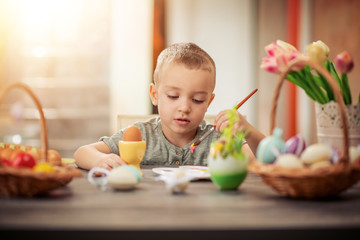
{"x": 271, "y": 147}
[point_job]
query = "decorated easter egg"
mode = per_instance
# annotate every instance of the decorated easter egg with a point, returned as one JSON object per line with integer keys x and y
{"x": 121, "y": 178}
{"x": 316, "y": 153}
{"x": 180, "y": 186}
{"x": 132, "y": 133}
{"x": 296, "y": 145}
{"x": 354, "y": 153}
{"x": 134, "y": 170}
{"x": 271, "y": 147}
{"x": 289, "y": 160}
{"x": 335, "y": 155}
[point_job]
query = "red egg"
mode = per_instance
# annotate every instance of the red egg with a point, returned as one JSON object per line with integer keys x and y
{"x": 23, "y": 159}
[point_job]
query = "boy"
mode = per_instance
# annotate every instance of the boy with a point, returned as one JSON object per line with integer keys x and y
{"x": 184, "y": 81}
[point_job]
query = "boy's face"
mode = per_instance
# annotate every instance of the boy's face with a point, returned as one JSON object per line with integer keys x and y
{"x": 182, "y": 96}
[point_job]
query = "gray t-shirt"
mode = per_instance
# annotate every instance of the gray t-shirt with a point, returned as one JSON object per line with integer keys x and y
{"x": 159, "y": 151}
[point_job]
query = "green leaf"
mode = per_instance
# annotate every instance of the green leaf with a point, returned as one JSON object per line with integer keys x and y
{"x": 325, "y": 85}
{"x": 339, "y": 82}
{"x": 320, "y": 96}
{"x": 298, "y": 78}
{"x": 346, "y": 92}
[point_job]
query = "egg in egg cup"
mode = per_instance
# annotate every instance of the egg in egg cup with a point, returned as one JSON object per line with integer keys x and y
{"x": 132, "y": 152}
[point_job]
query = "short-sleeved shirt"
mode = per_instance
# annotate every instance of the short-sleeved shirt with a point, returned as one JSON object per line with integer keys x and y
{"x": 159, "y": 151}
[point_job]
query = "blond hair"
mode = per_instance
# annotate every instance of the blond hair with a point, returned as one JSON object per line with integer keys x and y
{"x": 189, "y": 54}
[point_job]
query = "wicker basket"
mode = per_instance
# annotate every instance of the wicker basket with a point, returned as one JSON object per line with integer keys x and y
{"x": 24, "y": 182}
{"x": 304, "y": 182}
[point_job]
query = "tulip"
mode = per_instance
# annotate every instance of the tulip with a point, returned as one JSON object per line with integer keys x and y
{"x": 344, "y": 62}
{"x": 316, "y": 53}
{"x": 280, "y": 54}
{"x": 324, "y": 47}
{"x": 286, "y": 46}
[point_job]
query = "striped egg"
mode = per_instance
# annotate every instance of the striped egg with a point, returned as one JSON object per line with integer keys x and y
{"x": 296, "y": 145}
{"x": 271, "y": 147}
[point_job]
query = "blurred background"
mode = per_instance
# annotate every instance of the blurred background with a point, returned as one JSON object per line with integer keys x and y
{"x": 89, "y": 60}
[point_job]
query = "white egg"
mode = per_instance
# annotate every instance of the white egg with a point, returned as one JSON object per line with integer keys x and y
{"x": 354, "y": 154}
{"x": 289, "y": 161}
{"x": 122, "y": 179}
{"x": 316, "y": 153}
{"x": 320, "y": 164}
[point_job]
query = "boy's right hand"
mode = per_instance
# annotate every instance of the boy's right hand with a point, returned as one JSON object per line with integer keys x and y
{"x": 109, "y": 161}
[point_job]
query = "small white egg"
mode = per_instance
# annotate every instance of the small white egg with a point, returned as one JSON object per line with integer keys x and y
{"x": 354, "y": 153}
{"x": 289, "y": 161}
{"x": 316, "y": 153}
{"x": 122, "y": 179}
{"x": 320, "y": 164}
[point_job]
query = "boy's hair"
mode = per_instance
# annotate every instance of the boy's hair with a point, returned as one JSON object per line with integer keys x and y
{"x": 189, "y": 54}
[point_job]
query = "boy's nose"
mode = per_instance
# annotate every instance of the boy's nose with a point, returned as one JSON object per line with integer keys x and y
{"x": 185, "y": 106}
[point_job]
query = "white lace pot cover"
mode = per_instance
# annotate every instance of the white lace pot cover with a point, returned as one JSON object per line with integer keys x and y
{"x": 329, "y": 124}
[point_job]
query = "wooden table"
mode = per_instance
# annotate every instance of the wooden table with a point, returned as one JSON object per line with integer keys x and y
{"x": 253, "y": 211}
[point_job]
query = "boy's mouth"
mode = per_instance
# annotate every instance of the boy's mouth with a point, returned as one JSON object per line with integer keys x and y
{"x": 182, "y": 120}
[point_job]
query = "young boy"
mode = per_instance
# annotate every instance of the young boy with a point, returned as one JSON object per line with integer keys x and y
{"x": 184, "y": 81}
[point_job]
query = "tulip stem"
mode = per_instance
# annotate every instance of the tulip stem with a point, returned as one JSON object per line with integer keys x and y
{"x": 347, "y": 92}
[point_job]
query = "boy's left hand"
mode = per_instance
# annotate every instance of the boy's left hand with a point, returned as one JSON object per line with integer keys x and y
{"x": 221, "y": 121}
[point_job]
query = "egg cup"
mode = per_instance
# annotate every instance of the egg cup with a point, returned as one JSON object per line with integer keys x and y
{"x": 228, "y": 173}
{"x": 132, "y": 152}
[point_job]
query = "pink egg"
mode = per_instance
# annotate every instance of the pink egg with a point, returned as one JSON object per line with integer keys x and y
{"x": 296, "y": 145}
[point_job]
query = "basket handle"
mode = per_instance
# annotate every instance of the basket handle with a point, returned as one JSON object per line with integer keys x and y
{"x": 27, "y": 89}
{"x": 334, "y": 87}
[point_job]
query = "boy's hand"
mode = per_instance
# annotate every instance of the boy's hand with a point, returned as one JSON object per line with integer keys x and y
{"x": 221, "y": 122}
{"x": 108, "y": 161}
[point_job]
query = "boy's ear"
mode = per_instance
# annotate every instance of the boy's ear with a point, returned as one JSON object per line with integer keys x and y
{"x": 153, "y": 94}
{"x": 211, "y": 99}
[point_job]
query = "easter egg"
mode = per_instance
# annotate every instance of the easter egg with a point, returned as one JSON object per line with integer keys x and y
{"x": 271, "y": 147}
{"x": 23, "y": 159}
{"x": 316, "y": 153}
{"x": 296, "y": 145}
{"x": 122, "y": 179}
{"x": 44, "y": 167}
{"x": 132, "y": 133}
{"x": 321, "y": 164}
{"x": 133, "y": 170}
{"x": 354, "y": 153}
{"x": 289, "y": 160}
{"x": 335, "y": 155}
{"x": 54, "y": 157}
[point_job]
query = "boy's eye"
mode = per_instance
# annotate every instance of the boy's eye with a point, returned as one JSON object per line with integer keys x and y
{"x": 198, "y": 101}
{"x": 173, "y": 96}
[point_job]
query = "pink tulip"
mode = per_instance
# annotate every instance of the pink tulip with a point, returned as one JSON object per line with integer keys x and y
{"x": 280, "y": 56}
{"x": 344, "y": 62}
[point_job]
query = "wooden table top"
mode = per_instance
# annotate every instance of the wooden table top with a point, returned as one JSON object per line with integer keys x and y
{"x": 203, "y": 207}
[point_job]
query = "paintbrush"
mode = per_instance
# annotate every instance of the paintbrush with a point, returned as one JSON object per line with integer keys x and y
{"x": 197, "y": 142}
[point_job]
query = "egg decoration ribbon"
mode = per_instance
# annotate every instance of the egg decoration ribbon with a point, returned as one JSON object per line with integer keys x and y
{"x": 99, "y": 181}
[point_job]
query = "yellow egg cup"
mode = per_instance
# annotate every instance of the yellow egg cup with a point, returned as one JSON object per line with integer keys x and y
{"x": 132, "y": 152}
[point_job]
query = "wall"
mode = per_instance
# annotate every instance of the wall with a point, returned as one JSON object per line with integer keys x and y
{"x": 225, "y": 29}
{"x": 131, "y": 58}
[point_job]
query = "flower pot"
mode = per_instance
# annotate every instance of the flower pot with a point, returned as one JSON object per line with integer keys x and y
{"x": 228, "y": 173}
{"x": 329, "y": 124}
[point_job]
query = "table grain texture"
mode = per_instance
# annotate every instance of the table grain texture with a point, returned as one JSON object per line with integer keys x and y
{"x": 82, "y": 210}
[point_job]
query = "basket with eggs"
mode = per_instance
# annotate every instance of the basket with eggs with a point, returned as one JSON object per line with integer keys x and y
{"x": 27, "y": 171}
{"x": 309, "y": 172}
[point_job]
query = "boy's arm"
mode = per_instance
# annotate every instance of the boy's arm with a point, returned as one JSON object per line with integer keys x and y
{"x": 253, "y": 137}
{"x": 96, "y": 155}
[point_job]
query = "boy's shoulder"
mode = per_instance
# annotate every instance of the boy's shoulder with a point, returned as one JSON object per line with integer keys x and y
{"x": 150, "y": 124}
